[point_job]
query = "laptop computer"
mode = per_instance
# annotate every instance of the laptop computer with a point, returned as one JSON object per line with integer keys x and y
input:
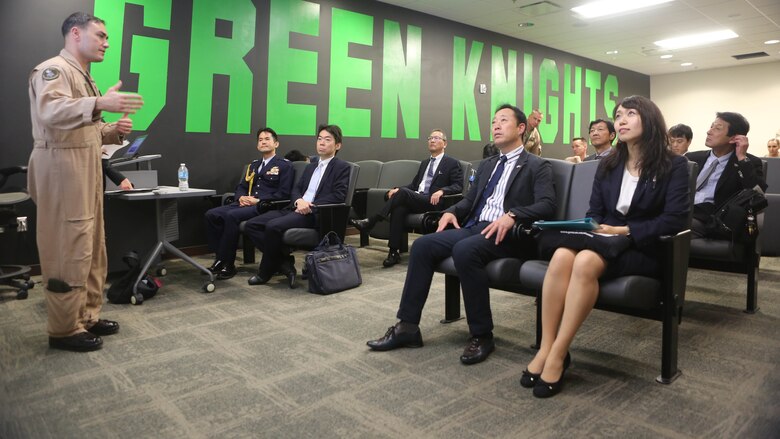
{"x": 132, "y": 151}
{"x": 143, "y": 181}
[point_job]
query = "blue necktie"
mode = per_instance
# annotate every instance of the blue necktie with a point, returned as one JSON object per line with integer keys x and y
{"x": 429, "y": 177}
{"x": 487, "y": 192}
{"x": 314, "y": 183}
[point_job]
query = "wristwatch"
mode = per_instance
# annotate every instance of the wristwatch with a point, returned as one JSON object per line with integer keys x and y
{"x": 511, "y": 214}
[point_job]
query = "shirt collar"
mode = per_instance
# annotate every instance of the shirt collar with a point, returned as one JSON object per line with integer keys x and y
{"x": 514, "y": 154}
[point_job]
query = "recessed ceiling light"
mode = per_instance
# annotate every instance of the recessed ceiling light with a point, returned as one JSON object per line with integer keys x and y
{"x": 666, "y": 56}
{"x": 612, "y": 52}
{"x": 602, "y": 8}
{"x": 686, "y": 64}
{"x": 695, "y": 39}
{"x": 771, "y": 41}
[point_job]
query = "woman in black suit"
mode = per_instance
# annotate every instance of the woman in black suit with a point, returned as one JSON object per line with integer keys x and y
{"x": 640, "y": 192}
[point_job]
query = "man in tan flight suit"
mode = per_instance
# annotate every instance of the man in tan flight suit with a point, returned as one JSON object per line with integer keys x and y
{"x": 65, "y": 180}
{"x": 532, "y": 140}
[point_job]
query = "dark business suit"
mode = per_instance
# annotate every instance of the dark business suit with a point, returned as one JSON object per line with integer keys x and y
{"x": 448, "y": 178}
{"x": 659, "y": 207}
{"x": 266, "y": 230}
{"x": 112, "y": 174}
{"x": 529, "y": 195}
{"x": 273, "y": 182}
{"x": 736, "y": 176}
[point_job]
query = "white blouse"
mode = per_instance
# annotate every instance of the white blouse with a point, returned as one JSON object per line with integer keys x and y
{"x": 627, "y": 189}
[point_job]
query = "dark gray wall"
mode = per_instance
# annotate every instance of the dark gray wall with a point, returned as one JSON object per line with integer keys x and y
{"x": 31, "y": 30}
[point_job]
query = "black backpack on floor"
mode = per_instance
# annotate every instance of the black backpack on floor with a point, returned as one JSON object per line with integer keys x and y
{"x": 121, "y": 291}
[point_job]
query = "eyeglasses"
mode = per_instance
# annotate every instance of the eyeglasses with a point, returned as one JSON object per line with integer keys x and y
{"x": 435, "y": 138}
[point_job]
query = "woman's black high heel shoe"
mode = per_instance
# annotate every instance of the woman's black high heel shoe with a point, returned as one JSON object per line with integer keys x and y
{"x": 529, "y": 379}
{"x": 543, "y": 389}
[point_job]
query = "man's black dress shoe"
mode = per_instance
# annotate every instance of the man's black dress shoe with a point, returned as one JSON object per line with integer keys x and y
{"x": 104, "y": 327}
{"x": 529, "y": 380}
{"x": 226, "y": 272}
{"x": 216, "y": 266}
{"x": 392, "y": 340}
{"x": 478, "y": 350}
{"x": 393, "y": 257}
{"x": 364, "y": 225}
{"x": 288, "y": 270}
{"x": 258, "y": 279}
{"x": 81, "y": 342}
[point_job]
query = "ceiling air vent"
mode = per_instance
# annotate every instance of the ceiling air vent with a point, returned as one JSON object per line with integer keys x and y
{"x": 749, "y": 55}
{"x": 538, "y": 8}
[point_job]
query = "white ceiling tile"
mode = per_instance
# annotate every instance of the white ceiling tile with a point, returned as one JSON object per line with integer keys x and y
{"x": 632, "y": 35}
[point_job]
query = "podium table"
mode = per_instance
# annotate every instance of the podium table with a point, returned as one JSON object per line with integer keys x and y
{"x": 167, "y": 217}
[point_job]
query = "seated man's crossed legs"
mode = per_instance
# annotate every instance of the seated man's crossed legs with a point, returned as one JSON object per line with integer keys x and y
{"x": 402, "y": 203}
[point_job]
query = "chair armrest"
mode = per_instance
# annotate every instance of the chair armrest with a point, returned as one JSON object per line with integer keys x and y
{"x": 332, "y": 217}
{"x": 430, "y": 221}
{"x": 521, "y": 230}
{"x": 449, "y": 200}
{"x": 9, "y": 171}
{"x": 675, "y": 250}
{"x": 273, "y": 204}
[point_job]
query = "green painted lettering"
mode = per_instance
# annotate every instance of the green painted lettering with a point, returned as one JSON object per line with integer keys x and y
{"x": 503, "y": 85}
{"x": 148, "y": 56}
{"x": 287, "y": 64}
{"x": 528, "y": 83}
{"x": 548, "y": 103}
{"x": 611, "y": 92}
{"x": 401, "y": 76}
{"x": 347, "y": 72}
{"x": 215, "y": 55}
{"x": 572, "y": 103}
{"x": 464, "y": 79}
{"x": 593, "y": 83}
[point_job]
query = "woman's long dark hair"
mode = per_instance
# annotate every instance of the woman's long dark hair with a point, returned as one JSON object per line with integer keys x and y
{"x": 656, "y": 159}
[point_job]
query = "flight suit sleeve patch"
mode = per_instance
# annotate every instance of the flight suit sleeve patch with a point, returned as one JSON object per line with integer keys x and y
{"x": 50, "y": 73}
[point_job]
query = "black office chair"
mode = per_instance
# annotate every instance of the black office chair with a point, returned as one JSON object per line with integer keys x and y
{"x": 16, "y": 276}
{"x": 732, "y": 257}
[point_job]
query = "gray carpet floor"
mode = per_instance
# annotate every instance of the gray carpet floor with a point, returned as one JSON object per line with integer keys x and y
{"x": 272, "y": 362}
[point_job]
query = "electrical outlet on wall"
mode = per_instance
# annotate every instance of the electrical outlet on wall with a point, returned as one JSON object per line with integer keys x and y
{"x": 482, "y": 88}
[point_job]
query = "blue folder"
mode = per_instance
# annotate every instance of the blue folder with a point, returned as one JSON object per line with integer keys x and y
{"x": 575, "y": 224}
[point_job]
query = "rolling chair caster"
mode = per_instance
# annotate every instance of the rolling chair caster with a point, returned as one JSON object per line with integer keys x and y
{"x": 137, "y": 299}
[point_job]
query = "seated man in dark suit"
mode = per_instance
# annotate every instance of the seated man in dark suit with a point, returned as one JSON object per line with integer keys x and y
{"x": 115, "y": 176}
{"x": 723, "y": 171}
{"x": 601, "y": 133}
{"x": 515, "y": 186}
{"x": 438, "y": 176}
{"x": 324, "y": 181}
{"x": 268, "y": 179}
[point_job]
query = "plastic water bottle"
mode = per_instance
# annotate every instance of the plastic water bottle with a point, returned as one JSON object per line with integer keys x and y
{"x": 472, "y": 177}
{"x": 184, "y": 176}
